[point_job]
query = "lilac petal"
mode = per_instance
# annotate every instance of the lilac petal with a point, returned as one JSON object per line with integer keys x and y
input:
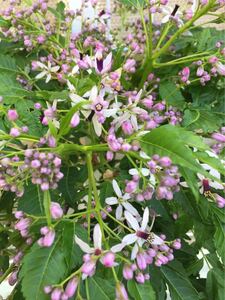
{"x": 130, "y": 239}
{"x": 119, "y": 212}
{"x": 97, "y": 237}
{"x": 157, "y": 240}
{"x": 129, "y": 207}
{"x": 134, "y": 252}
{"x": 116, "y": 188}
{"x": 111, "y": 200}
{"x": 84, "y": 246}
{"x": 145, "y": 219}
{"x": 132, "y": 221}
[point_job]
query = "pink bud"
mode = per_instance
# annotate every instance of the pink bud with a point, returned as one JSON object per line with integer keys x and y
{"x": 88, "y": 268}
{"x": 12, "y": 115}
{"x": 75, "y": 120}
{"x": 71, "y": 287}
{"x": 56, "y": 294}
{"x": 127, "y": 272}
{"x": 140, "y": 278}
{"x": 127, "y": 127}
{"x": 141, "y": 262}
{"x": 14, "y": 132}
{"x": 56, "y": 210}
{"x": 108, "y": 259}
{"x": 48, "y": 239}
{"x": 218, "y": 137}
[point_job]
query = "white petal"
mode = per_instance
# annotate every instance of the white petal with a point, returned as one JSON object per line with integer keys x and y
{"x": 111, "y": 200}
{"x": 132, "y": 221}
{"x": 75, "y": 70}
{"x": 134, "y": 122}
{"x": 48, "y": 78}
{"x": 94, "y": 93}
{"x": 75, "y": 98}
{"x": 134, "y": 252}
{"x": 41, "y": 65}
{"x": 118, "y": 247}
{"x": 126, "y": 196}
{"x": 97, "y": 126}
{"x": 109, "y": 112}
{"x": 119, "y": 212}
{"x": 144, "y": 155}
{"x": 145, "y": 171}
{"x": 130, "y": 208}
{"x": 116, "y": 188}
{"x": 133, "y": 172}
{"x": 97, "y": 237}
{"x": 216, "y": 185}
{"x": 108, "y": 60}
{"x": 41, "y": 75}
{"x": 145, "y": 219}
{"x": 83, "y": 246}
{"x": 157, "y": 240}
{"x": 130, "y": 239}
{"x": 55, "y": 69}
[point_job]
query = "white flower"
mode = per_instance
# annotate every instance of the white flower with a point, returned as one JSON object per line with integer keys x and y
{"x": 47, "y": 71}
{"x": 97, "y": 238}
{"x": 121, "y": 201}
{"x": 97, "y": 105}
{"x": 212, "y": 183}
{"x": 144, "y": 172}
{"x": 140, "y": 236}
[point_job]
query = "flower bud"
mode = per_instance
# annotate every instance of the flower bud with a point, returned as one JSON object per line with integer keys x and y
{"x": 71, "y": 287}
{"x": 12, "y": 115}
{"x": 56, "y": 210}
{"x": 75, "y": 120}
{"x": 108, "y": 259}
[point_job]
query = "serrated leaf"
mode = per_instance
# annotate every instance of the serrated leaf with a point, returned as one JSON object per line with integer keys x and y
{"x": 180, "y": 287}
{"x": 169, "y": 92}
{"x": 141, "y": 291}
{"x": 170, "y": 141}
{"x": 204, "y": 120}
{"x": 41, "y": 267}
{"x": 101, "y": 289}
{"x": 7, "y": 63}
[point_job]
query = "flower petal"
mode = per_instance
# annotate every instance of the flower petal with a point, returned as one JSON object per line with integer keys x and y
{"x": 83, "y": 246}
{"x": 118, "y": 247}
{"x": 130, "y": 239}
{"x": 119, "y": 212}
{"x": 131, "y": 221}
{"x": 116, "y": 188}
{"x": 111, "y": 200}
{"x": 134, "y": 252}
{"x": 129, "y": 207}
{"x": 145, "y": 219}
{"x": 157, "y": 240}
{"x": 133, "y": 172}
{"x": 97, "y": 126}
{"x": 97, "y": 237}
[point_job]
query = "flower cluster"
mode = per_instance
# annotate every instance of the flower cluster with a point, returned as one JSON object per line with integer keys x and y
{"x": 44, "y": 168}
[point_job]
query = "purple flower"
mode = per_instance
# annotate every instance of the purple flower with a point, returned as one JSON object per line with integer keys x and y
{"x": 12, "y": 115}
{"x": 56, "y": 210}
{"x": 14, "y": 132}
{"x": 71, "y": 287}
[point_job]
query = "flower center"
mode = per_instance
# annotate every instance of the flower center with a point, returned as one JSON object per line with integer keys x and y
{"x": 98, "y": 106}
{"x": 98, "y": 252}
{"x": 149, "y": 237}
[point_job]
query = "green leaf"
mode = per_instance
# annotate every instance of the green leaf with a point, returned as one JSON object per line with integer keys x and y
{"x": 219, "y": 239}
{"x": 101, "y": 289}
{"x": 211, "y": 161}
{"x": 204, "y": 120}
{"x": 169, "y": 92}
{"x": 32, "y": 201}
{"x": 7, "y": 64}
{"x": 171, "y": 141}
{"x": 180, "y": 287}
{"x": 41, "y": 267}
{"x": 3, "y": 22}
{"x": 141, "y": 291}
{"x": 10, "y": 89}
{"x": 215, "y": 284}
{"x": 65, "y": 124}
{"x": 135, "y": 3}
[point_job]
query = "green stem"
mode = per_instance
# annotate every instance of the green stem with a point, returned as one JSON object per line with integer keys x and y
{"x": 89, "y": 161}
{"x": 187, "y": 25}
